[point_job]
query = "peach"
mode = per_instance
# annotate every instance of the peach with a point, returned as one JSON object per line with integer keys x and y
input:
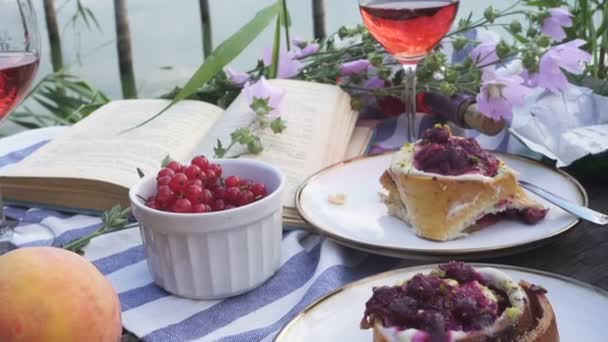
{"x": 50, "y": 294}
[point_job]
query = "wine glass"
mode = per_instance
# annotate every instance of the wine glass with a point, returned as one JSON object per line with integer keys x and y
{"x": 19, "y": 57}
{"x": 408, "y": 30}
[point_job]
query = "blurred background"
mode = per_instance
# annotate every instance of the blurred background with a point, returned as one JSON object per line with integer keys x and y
{"x": 166, "y": 36}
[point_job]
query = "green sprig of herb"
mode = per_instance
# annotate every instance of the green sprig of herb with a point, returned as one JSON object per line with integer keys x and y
{"x": 114, "y": 220}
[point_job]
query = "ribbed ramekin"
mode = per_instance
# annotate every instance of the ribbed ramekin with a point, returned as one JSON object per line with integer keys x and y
{"x": 218, "y": 254}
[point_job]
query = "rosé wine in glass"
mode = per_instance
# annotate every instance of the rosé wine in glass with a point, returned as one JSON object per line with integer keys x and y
{"x": 409, "y": 30}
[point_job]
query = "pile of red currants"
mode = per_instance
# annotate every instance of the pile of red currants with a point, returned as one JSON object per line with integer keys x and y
{"x": 200, "y": 188}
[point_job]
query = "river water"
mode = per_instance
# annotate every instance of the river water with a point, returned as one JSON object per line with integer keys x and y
{"x": 167, "y": 34}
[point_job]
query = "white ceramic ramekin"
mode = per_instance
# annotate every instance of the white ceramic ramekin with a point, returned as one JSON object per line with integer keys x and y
{"x": 218, "y": 254}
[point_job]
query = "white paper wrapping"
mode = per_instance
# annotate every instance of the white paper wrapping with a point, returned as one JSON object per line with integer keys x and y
{"x": 564, "y": 127}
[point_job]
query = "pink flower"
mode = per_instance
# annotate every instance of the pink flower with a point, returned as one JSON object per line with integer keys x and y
{"x": 289, "y": 65}
{"x": 354, "y": 67}
{"x": 235, "y": 76}
{"x": 498, "y": 96}
{"x": 303, "y": 49}
{"x": 565, "y": 56}
{"x": 263, "y": 90}
{"x": 375, "y": 82}
{"x": 485, "y": 52}
{"x": 553, "y": 26}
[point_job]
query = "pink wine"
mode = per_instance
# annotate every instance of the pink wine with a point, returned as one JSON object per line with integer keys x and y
{"x": 409, "y": 29}
{"x": 16, "y": 73}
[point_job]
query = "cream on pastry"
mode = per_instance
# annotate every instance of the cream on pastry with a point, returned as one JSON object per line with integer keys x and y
{"x": 446, "y": 186}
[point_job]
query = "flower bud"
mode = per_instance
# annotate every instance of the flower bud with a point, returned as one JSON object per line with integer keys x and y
{"x": 515, "y": 26}
{"x": 531, "y": 32}
{"x": 375, "y": 59}
{"x": 343, "y": 32}
{"x": 490, "y": 14}
{"x": 543, "y": 41}
{"x": 530, "y": 61}
{"x": 502, "y": 49}
{"x": 459, "y": 43}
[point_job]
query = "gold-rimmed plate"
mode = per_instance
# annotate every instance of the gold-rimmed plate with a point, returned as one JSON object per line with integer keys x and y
{"x": 362, "y": 221}
{"x": 580, "y": 308}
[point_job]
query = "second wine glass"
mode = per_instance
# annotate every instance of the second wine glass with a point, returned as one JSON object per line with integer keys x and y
{"x": 19, "y": 59}
{"x": 409, "y": 30}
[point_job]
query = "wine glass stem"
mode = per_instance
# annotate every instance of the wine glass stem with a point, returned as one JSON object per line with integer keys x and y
{"x": 410, "y": 100}
{"x": 6, "y": 231}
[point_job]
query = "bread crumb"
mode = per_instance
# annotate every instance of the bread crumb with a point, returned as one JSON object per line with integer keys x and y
{"x": 337, "y": 199}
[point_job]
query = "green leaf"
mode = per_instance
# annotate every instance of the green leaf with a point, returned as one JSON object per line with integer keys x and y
{"x": 166, "y": 160}
{"x": 219, "y": 150}
{"x": 276, "y": 47}
{"x": 221, "y": 56}
{"x": 286, "y": 20}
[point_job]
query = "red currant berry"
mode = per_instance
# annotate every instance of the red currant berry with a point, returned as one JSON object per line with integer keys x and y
{"x": 258, "y": 190}
{"x": 214, "y": 185}
{"x": 232, "y": 195}
{"x": 193, "y": 193}
{"x": 206, "y": 196}
{"x": 211, "y": 176}
{"x": 245, "y": 184}
{"x": 218, "y": 205}
{"x": 194, "y": 182}
{"x": 175, "y": 166}
{"x": 245, "y": 197}
{"x": 219, "y": 193}
{"x": 229, "y": 206}
{"x": 163, "y": 180}
{"x": 207, "y": 208}
{"x": 164, "y": 172}
{"x": 201, "y": 161}
{"x": 231, "y": 181}
{"x": 151, "y": 203}
{"x": 216, "y": 168}
{"x": 178, "y": 182}
{"x": 193, "y": 172}
{"x": 199, "y": 208}
{"x": 182, "y": 205}
{"x": 165, "y": 194}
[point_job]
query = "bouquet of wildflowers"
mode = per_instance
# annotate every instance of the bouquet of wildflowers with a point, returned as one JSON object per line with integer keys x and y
{"x": 495, "y": 60}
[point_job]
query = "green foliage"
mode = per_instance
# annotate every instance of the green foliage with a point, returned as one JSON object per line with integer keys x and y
{"x": 85, "y": 14}
{"x": 111, "y": 221}
{"x": 222, "y": 55}
{"x": 58, "y": 99}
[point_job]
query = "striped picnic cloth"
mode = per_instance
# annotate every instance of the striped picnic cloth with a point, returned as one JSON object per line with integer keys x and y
{"x": 311, "y": 266}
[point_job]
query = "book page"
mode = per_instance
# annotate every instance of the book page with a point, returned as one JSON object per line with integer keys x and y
{"x": 96, "y": 149}
{"x": 359, "y": 142}
{"x": 310, "y": 111}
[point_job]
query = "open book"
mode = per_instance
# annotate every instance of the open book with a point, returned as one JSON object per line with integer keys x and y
{"x": 91, "y": 166}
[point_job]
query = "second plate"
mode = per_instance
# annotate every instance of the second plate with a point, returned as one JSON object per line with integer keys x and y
{"x": 363, "y": 223}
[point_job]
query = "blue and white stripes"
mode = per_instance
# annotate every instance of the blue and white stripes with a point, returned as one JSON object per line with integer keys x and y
{"x": 310, "y": 268}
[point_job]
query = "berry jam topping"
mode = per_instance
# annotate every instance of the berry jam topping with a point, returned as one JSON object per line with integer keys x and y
{"x": 452, "y": 297}
{"x": 439, "y": 152}
{"x": 200, "y": 188}
{"x": 527, "y": 215}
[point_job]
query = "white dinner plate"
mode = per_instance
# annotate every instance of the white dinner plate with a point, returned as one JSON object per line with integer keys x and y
{"x": 363, "y": 223}
{"x": 580, "y": 309}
